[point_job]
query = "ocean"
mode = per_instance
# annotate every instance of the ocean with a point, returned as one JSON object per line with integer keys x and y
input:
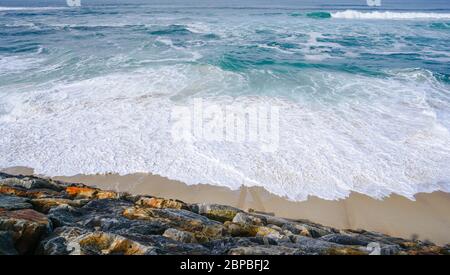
{"x": 362, "y": 92}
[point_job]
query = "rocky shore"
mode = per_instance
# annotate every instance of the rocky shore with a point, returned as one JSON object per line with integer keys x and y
{"x": 44, "y": 216}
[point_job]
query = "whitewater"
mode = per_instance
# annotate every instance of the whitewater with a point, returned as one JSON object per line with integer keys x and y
{"x": 364, "y": 102}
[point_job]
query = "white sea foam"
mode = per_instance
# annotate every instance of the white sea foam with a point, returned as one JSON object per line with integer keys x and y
{"x": 15, "y": 64}
{"x": 344, "y": 133}
{"x": 30, "y": 8}
{"x": 352, "y": 14}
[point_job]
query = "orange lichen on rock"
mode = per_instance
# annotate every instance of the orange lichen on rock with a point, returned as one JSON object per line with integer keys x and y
{"x": 8, "y": 190}
{"x": 106, "y": 195}
{"x": 85, "y": 192}
{"x": 161, "y": 203}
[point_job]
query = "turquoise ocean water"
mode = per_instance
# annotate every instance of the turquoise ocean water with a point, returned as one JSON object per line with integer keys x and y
{"x": 363, "y": 92}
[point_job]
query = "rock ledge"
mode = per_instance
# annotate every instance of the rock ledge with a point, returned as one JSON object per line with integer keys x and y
{"x": 43, "y": 216}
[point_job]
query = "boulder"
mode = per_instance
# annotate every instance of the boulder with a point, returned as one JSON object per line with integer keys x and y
{"x": 65, "y": 215}
{"x": 91, "y": 214}
{"x": 7, "y": 244}
{"x": 223, "y": 245}
{"x": 180, "y": 236}
{"x": 268, "y": 232}
{"x": 13, "y": 203}
{"x": 221, "y": 213}
{"x": 203, "y": 228}
{"x": 62, "y": 241}
{"x": 345, "y": 251}
{"x": 124, "y": 226}
{"x": 313, "y": 246}
{"x": 81, "y": 192}
{"x": 102, "y": 243}
{"x": 26, "y": 227}
{"x": 264, "y": 250}
{"x": 246, "y": 218}
{"x": 30, "y": 193}
{"x": 14, "y": 191}
{"x": 161, "y": 203}
{"x": 30, "y": 182}
{"x": 308, "y": 230}
{"x": 345, "y": 239}
{"x": 77, "y": 241}
{"x": 240, "y": 229}
{"x": 45, "y": 204}
{"x": 270, "y": 218}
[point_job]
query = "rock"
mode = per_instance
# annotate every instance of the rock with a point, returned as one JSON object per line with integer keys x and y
{"x": 161, "y": 203}
{"x": 221, "y": 213}
{"x": 313, "y": 246}
{"x": 246, "y": 218}
{"x": 249, "y": 230}
{"x": 65, "y": 215}
{"x": 22, "y": 192}
{"x": 45, "y": 204}
{"x": 345, "y": 251}
{"x": 222, "y": 246}
{"x": 77, "y": 241}
{"x": 124, "y": 226}
{"x": 180, "y": 236}
{"x": 91, "y": 214}
{"x": 13, "y": 203}
{"x": 426, "y": 250}
{"x": 377, "y": 237}
{"x": 296, "y": 229}
{"x": 268, "y": 232}
{"x": 26, "y": 226}
{"x": 88, "y": 220}
{"x": 15, "y": 191}
{"x": 240, "y": 229}
{"x": 102, "y": 243}
{"x": 101, "y": 195}
{"x": 7, "y": 244}
{"x": 308, "y": 230}
{"x": 270, "y": 218}
{"x": 344, "y": 239}
{"x": 169, "y": 246}
{"x": 30, "y": 182}
{"x": 203, "y": 228}
{"x": 361, "y": 240}
{"x": 81, "y": 192}
{"x": 62, "y": 241}
{"x": 264, "y": 250}
{"x": 390, "y": 249}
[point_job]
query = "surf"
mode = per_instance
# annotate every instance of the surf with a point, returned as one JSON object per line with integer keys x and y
{"x": 388, "y": 15}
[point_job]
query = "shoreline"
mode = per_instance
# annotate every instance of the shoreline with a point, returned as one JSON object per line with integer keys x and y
{"x": 43, "y": 216}
{"x": 424, "y": 219}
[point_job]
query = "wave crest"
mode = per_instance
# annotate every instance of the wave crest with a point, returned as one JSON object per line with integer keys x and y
{"x": 374, "y": 15}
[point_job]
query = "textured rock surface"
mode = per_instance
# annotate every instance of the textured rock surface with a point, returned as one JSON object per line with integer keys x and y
{"x": 7, "y": 244}
{"x": 216, "y": 212}
{"x": 13, "y": 203}
{"x": 161, "y": 203}
{"x": 179, "y": 235}
{"x": 41, "y": 216}
{"x": 26, "y": 227}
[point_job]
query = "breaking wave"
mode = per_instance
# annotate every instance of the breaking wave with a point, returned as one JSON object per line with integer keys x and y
{"x": 386, "y": 15}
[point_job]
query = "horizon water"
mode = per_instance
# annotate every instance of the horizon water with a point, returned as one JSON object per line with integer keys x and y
{"x": 363, "y": 92}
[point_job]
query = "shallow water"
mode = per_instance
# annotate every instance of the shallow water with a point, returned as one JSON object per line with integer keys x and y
{"x": 363, "y": 94}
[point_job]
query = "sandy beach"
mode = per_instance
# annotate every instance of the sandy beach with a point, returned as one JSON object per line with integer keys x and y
{"x": 426, "y": 218}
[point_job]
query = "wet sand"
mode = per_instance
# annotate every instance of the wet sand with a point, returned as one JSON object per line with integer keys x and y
{"x": 426, "y": 218}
